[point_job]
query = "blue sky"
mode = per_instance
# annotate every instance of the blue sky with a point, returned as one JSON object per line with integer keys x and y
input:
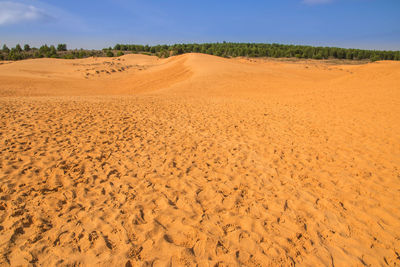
{"x": 367, "y": 24}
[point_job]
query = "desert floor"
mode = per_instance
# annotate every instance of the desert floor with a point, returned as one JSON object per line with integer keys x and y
{"x": 195, "y": 159}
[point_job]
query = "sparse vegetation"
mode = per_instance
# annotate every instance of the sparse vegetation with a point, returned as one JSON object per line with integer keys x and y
{"x": 218, "y": 49}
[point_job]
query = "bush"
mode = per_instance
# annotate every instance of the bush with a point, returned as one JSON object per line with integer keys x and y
{"x": 163, "y": 53}
{"x": 27, "y": 48}
{"x": 375, "y": 58}
{"x": 81, "y": 54}
{"x": 68, "y": 56}
{"x": 317, "y": 56}
{"x": 109, "y": 53}
{"x": 120, "y": 53}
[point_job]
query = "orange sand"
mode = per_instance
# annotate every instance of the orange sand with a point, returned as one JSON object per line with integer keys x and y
{"x": 195, "y": 159}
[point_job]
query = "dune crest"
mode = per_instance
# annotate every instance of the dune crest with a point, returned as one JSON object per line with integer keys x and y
{"x": 195, "y": 159}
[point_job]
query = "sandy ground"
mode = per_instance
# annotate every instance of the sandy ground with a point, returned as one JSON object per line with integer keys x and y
{"x": 139, "y": 161}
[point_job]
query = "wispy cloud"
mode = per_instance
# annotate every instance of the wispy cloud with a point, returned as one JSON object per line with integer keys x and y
{"x": 316, "y": 2}
{"x": 14, "y": 13}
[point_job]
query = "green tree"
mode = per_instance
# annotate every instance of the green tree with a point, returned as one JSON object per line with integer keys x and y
{"x": 27, "y": 48}
{"x": 62, "y": 47}
{"x": 6, "y": 49}
{"x": 44, "y": 49}
{"x": 349, "y": 55}
{"x": 18, "y": 48}
{"x": 52, "y": 51}
{"x": 37, "y": 54}
{"x": 14, "y": 55}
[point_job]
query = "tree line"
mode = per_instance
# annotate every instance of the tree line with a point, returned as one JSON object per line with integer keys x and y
{"x": 262, "y": 50}
{"x": 46, "y": 51}
{"x": 218, "y": 49}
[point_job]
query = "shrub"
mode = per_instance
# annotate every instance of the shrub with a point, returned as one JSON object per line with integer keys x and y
{"x": 120, "y": 53}
{"x": 317, "y": 56}
{"x": 68, "y": 56}
{"x": 375, "y": 58}
{"x": 81, "y": 54}
{"x": 109, "y": 53}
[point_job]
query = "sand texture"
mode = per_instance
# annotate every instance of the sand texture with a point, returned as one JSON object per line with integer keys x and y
{"x": 197, "y": 160}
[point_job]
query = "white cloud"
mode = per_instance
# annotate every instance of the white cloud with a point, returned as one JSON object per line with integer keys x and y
{"x": 13, "y": 13}
{"x": 316, "y": 2}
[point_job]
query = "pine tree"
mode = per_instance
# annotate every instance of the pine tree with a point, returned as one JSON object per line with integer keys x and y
{"x": 52, "y": 52}
{"x": 18, "y": 48}
{"x": 6, "y": 49}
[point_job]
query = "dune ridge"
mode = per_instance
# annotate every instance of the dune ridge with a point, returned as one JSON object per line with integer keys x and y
{"x": 199, "y": 160}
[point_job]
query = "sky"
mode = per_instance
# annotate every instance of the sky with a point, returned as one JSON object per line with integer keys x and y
{"x": 95, "y": 24}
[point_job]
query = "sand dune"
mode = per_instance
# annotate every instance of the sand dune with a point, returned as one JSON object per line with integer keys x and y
{"x": 199, "y": 160}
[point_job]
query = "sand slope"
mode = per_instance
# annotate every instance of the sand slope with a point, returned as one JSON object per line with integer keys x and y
{"x": 195, "y": 159}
